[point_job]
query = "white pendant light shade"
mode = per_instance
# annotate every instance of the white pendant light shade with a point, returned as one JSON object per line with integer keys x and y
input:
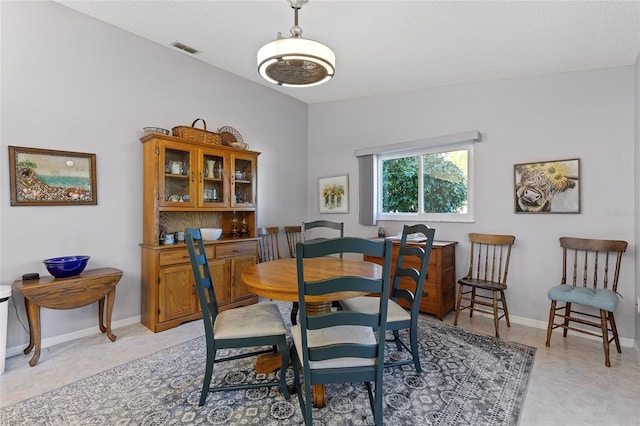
{"x": 296, "y": 62}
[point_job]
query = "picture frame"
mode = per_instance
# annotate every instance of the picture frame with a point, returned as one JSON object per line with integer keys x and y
{"x": 44, "y": 177}
{"x": 333, "y": 194}
{"x": 547, "y": 187}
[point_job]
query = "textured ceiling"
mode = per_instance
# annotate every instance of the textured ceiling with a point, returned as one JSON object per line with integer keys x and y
{"x": 394, "y": 46}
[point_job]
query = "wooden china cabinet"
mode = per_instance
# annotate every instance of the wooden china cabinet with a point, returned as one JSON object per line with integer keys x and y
{"x": 200, "y": 185}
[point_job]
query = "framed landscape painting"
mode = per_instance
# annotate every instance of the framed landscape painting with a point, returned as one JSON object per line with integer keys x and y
{"x": 334, "y": 194}
{"x": 547, "y": 187}
{"x": 41, "y": 177}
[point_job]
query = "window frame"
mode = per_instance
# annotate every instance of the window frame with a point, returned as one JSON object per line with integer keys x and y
{"x": 420, "y": 216}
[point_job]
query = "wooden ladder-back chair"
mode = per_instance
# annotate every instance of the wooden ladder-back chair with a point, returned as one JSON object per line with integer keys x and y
{"x": 268, "y": 246}
{"x": 488, "y": 268}
{"x": 340, "y": 346}
{"x": 590, "y": 272}
{"x": 257, "y": 325}
{"x": 294, "y": 236}
{"x": 407, "y": 288}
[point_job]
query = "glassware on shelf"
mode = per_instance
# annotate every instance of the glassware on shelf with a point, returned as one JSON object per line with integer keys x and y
{"x": 234, "y": 226}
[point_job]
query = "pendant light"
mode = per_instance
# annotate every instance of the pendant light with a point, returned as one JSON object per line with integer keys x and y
{"x": 296, "y": 61}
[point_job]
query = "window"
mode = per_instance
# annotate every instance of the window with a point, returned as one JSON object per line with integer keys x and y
{"x": 429, "y": 179}
{"x": 425, "y": 184}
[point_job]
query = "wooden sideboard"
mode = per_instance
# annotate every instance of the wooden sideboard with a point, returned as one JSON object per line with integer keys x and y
{"x": 438, "y": 295}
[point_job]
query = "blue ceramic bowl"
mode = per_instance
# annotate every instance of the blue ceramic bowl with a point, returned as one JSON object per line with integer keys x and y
{"x": 66, "y": 266}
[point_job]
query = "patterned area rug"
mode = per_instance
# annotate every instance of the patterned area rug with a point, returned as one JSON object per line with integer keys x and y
{"x": 467, "y": 379}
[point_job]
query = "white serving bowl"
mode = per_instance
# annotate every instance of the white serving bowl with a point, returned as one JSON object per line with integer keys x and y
{"x": 210, "y": 233}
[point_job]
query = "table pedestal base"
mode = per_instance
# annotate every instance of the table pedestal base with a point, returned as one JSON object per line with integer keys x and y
{"x": 268, "y": 363}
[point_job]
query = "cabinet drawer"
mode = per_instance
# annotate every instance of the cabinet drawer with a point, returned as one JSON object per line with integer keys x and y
{"x": 171, "y": 257}
{"x": 236, "y": 249}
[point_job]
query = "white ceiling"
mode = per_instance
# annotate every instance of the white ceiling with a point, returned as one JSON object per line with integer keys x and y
{"x": 394, "y": 46}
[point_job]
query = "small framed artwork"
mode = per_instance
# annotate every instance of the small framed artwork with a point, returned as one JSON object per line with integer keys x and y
{"x": 547, "y": 187}
{"x": 334, "y": 194}
{"x": 43, "y": 177}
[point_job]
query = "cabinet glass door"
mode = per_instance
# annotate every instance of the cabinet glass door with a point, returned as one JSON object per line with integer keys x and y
{"x": 177, "y": 177}
{"x": 244, "y": 171}
{"x": 212, "y": 191}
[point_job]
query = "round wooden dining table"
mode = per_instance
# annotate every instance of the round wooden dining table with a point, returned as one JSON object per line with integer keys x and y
{"x": 279, "y": 280}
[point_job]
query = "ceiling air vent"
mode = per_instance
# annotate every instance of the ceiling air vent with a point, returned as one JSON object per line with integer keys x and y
{"x": 184, "y": 47}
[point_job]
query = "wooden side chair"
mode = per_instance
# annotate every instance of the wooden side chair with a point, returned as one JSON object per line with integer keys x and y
{"x": 407, "y": 288}
{"x": 294, "y": 236}
{"x": 590, "y": 272}
{"x": 340, "y": 346}
{"x": 488, "y": 267}
{"x": 257, "y": 325}
{"x": 268, "y": 246}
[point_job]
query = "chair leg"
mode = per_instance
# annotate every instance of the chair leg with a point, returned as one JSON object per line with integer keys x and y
{"x": 211, "y": 356}
{"x": 496, "y": 316}
{"x": 396, "y": 339}
{"x": 567, "y": 314}
{"x": 504, "y": 308}
{"x": 294, "y": 313}
{"x": 376, "y": 403}
{"x": 414, "y": 348}
{"x": 552, "y": 313}
{"x": 460, "y": 289}
{"x": 614, "y": 330}
{"x": 284, "y": 354}
{"x": 472, "y": 301}
{"x": 605, "y": 336}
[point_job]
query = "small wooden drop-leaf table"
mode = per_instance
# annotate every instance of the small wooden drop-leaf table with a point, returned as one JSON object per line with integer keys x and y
{"x": 68, "y": 293}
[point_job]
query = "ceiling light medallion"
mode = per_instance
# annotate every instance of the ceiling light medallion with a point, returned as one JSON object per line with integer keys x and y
{"x": 295, "y": 61}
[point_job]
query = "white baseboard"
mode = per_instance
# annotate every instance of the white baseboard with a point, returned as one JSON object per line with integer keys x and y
{"x": 624, "y": 341}
{"x": 17, "y": 350}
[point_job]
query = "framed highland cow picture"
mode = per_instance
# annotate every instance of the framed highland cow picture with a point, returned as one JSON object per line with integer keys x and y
{"x": 547, "y": 187}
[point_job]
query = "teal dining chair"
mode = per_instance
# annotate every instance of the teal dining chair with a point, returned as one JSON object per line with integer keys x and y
{"x": 253, "y": 326}
{"x": 321, "y": 226}
{"x": 340, "y": 346}
{"x": 407, "y": 290}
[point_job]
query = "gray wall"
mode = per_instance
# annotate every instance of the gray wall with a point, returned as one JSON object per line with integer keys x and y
{"x": 586, "y": 115}
{"x": 637, "y": 197}
{"x": 70, "y": 82}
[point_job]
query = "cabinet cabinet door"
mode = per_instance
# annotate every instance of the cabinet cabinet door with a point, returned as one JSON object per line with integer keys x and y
{"x": 214, "y": 179}
{"x": 219, "y": 269}
{"x": 239, "y": 290}
{"x": 177, "y": 186}
{"x": 176, "y": 293}
{"x": 243, "y": 178}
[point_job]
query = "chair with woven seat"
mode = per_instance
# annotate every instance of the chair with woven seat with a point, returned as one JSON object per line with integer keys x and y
{"x": 340, "y": 346}
{"x": 268, "y": 245}
{"x": 294, "y": 236}
{"x": 257, "y": 325}
{"x": 590, "y": 272}
{"x": 488, "y": 268}
{"x": 406, "y": 291}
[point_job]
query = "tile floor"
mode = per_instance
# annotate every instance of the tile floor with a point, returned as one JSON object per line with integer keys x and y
{"x": 570, "y": 384}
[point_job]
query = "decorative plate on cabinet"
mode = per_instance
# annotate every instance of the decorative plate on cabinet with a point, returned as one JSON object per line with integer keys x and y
{"x": 229, "y": 135}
